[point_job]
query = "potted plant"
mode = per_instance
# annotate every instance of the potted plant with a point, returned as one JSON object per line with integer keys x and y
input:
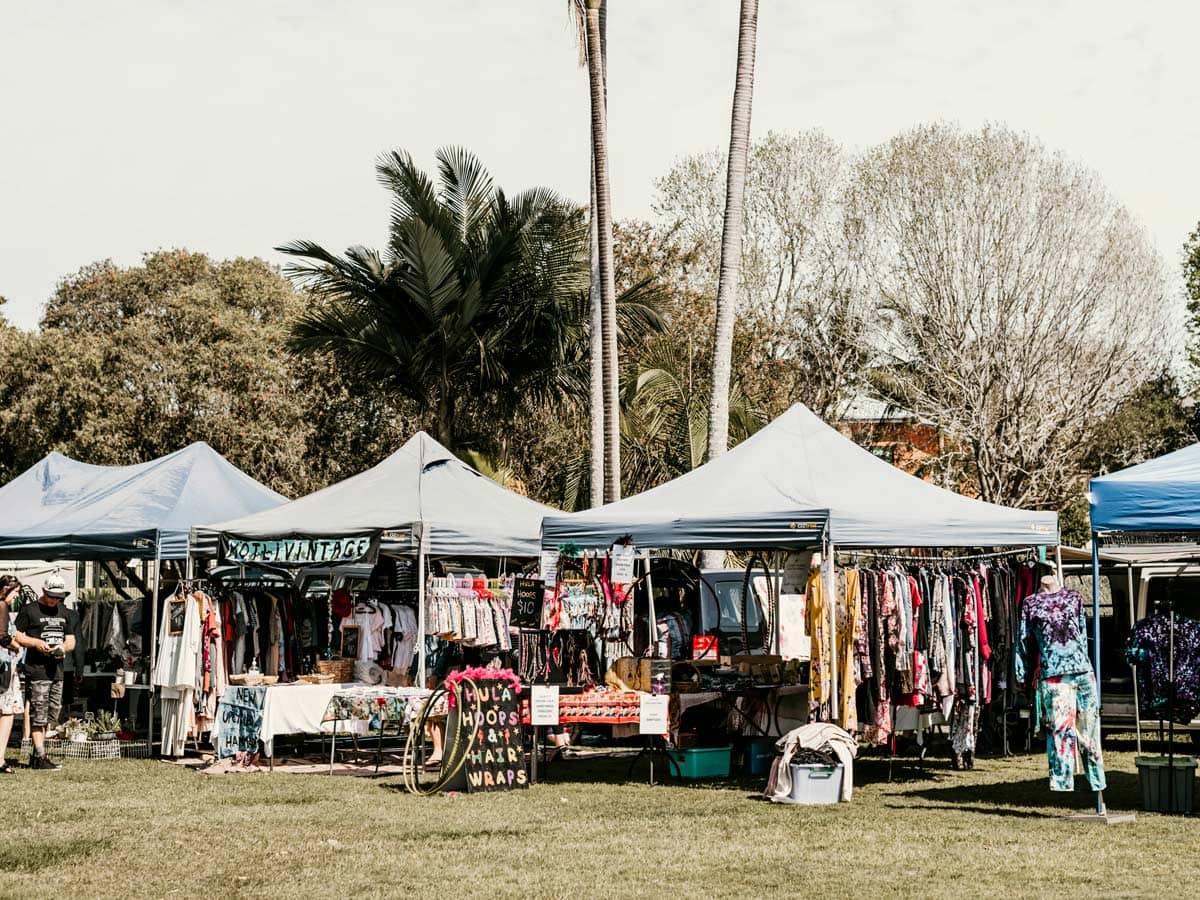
{"x": 76, "y": 730}
{"x": 105, "y": 726}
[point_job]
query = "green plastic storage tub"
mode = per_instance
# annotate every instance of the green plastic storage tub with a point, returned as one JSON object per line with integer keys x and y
{"x": 1158, "y": 782}
{"x": 701, "y": 762}
{"x": 759, "y": 755}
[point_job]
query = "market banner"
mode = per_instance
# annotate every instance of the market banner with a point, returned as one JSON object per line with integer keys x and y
{"x": 303, "y": 551}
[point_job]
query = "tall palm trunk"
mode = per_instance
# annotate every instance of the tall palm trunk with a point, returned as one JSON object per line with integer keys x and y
{"x": 603, "y": 216}
{"x": 596, "y": 406}
{"x": 596, "y": 361}
{"x": 731, "y": 237}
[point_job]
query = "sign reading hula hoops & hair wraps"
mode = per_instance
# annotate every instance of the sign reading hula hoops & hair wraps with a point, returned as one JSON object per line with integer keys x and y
{"x": 353, "y": 548}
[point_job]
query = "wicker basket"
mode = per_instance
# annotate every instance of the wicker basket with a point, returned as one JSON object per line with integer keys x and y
{"x": 316, "y": 679}
{"x": 342, "y": 670}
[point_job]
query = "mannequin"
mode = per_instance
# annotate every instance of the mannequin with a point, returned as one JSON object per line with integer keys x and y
{"x": 1052, "y": 643}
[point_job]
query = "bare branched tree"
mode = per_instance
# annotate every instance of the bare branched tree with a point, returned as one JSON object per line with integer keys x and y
{"x": 801, "y": 284}
{"x": 1024, "y": 303}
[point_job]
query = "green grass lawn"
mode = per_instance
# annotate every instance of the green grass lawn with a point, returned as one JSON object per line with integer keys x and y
{"x": 139, "y": 828}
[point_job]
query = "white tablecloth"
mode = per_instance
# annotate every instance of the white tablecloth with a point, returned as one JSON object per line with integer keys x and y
{"x": 298, "y": 709}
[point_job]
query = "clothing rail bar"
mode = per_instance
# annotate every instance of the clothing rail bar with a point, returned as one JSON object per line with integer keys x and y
{"x": 869, "y": 554}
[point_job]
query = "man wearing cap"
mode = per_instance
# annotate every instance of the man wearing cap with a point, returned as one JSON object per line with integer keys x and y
{"x": 47, "y": 630}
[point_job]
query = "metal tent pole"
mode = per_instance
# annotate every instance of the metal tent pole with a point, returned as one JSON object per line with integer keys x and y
{"x": 1096, "y": 611}
{"x": 421, "y": 615}
{"x": 1096, "y": 645}
{"x": 154, "y": 634}
{"x": 650, "y": 607}
{"x": 831, "y": 600}
{"x": 1137, "y": 709}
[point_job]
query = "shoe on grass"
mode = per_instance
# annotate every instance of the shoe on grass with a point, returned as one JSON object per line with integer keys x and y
{"x": 44, "y": 763}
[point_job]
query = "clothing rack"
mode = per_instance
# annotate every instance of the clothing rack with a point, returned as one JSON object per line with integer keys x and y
{"x": 929, "y": 558}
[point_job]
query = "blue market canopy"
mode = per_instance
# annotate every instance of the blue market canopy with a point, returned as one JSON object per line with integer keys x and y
{"x": 1160, "y": 495}
{"x": 61, "y": 508}
{"x": 787, "y": 486}
{"x": 422, "y": 488}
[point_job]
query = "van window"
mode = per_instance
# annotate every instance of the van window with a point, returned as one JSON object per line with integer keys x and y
{"x": 729, "y": 604}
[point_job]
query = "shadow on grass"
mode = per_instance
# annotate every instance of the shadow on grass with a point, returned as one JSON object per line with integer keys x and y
{"x": 1029, "y": 798}
{"x": 53, "y": 855}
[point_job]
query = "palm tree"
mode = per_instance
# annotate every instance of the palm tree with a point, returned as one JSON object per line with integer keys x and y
{"x": 731, "y": 245}
{"x": 664, "y": 421}
{"x": 602, "y": 212}
{"x": 597, "y": 444}
{"x": 473, "y": 306}
{"x": 731, "y": 236}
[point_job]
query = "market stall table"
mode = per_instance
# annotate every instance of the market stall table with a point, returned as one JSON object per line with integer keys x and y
{"x": 362, "y": 704}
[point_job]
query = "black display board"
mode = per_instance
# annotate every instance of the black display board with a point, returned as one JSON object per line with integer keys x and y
{"x": 527, "y": 599}
{"x": 496, "y": 761}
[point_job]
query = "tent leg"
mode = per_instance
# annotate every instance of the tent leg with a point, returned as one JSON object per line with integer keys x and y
{"x": 1096, "y": 643}
{"x": 420, "y": 617}
{"x": 1058, "y": 564}
{"x": 650, "y": 613}
{"x": 831, "y": 599}
{"x": 153, "y": 637}
{"x": 1096, "y": 611}
{"x": 1137, "y": 709}
{"x": 780, "y": 561}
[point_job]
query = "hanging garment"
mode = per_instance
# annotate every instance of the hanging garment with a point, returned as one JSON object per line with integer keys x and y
{"x": 1053, "y": 635}
{"x": 1149, "y": 650}
{"x": 849, "y": 612}
{"x": 1072, "y": 714}
{"x": 176, "y": 673}
{"x": 817, "y": 615}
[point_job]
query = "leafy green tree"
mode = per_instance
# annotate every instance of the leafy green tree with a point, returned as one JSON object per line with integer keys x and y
{"x": 1155, "y": 420}
{"x": 133, "y": 363}
{"x": 477, "y": 303}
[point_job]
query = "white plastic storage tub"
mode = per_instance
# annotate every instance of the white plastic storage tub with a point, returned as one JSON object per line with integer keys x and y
{"x": 816, "y": 785}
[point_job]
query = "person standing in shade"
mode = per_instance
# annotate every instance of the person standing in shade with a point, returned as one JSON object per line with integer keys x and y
{"x": 46, "y": 630}
{"x": 11, "y": 704}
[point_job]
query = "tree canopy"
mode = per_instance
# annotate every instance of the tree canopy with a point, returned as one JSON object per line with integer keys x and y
{"x": 133, "y": 363}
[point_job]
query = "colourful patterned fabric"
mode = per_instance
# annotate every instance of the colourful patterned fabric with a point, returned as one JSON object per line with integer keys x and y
{"x": 367, "y": 703}
{"x": 1053, "y": 632}
{"x": 1072, "y": 714}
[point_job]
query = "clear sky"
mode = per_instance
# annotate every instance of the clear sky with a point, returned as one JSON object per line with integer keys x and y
{"x": 230, "y": 127}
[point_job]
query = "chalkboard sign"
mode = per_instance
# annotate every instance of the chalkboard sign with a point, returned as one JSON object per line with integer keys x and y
{"x": 527, "y": 597}
{"x": 239, "y": 720}
{"x": 176, "y": 616}
{"x": 496, "y": 761}
{"x": 350, "y": 642}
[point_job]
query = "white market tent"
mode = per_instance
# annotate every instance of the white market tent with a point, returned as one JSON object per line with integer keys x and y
{"x": 61, "y": 508}
{"x": 420, "y": 501}
{"x": 422, "y": 493}
{"x": 798, "y": 482}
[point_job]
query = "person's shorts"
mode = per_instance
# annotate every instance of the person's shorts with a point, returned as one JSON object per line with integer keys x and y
{"x": 45, "y": 702}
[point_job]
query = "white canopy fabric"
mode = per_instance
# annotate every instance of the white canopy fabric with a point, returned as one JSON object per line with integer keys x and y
{"x": 423, "y": 487}
{"x": 787, "y": 484}
{"x": 61, "y": 508}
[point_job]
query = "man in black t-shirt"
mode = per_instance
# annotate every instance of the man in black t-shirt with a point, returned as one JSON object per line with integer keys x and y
{"x": 47, "y": 630}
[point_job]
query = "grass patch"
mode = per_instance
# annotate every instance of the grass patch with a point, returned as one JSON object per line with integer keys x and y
{"x": 134, "y": 828}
